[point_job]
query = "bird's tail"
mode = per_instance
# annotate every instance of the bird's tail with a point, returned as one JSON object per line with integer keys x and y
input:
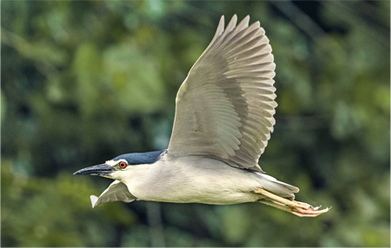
{"x": 277, "y": 187}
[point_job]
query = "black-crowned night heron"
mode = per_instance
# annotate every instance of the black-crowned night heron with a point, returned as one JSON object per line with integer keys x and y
{"x": 223, "y": 120}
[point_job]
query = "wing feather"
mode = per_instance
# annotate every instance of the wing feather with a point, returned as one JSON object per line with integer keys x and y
{"x": 225, "y": 106}
{"x": 117, "y": 191}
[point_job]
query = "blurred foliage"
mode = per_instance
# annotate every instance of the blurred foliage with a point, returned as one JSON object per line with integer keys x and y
{"x": 85, "y": 81}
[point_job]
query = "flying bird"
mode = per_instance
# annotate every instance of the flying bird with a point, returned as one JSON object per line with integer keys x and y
{"x": 223, "y": 121}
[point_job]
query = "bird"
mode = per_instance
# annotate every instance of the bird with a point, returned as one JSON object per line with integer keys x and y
{"x": 223, "y": 121}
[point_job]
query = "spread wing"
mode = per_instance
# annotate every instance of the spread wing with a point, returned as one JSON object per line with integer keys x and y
{"x": 225, "y": 106}
{"x": 117, "y": 191}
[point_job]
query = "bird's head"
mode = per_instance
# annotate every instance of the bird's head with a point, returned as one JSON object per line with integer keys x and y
{"x": 118, "y": 167}
{"x": 109, "y": 169}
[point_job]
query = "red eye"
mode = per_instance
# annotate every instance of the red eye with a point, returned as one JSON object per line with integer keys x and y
{"x": 123, "y": 165}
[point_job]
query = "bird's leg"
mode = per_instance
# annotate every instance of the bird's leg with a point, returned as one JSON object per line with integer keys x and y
{"x": 295, "y": 207}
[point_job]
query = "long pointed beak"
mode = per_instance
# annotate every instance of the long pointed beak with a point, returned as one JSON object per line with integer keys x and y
{"x": 97, "y": 170}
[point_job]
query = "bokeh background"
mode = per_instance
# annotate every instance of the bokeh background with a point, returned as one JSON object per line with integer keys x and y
{"x": 85, "y": 81}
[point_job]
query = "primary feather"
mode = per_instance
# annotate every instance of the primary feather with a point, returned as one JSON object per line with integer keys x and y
{"x": 225, "y": 106}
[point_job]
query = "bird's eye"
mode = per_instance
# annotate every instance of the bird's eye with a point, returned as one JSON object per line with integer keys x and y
{"x": 122, "y": 165}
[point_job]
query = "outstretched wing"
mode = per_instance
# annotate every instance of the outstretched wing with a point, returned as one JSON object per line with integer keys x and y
{"x": 117, "y": 191}
{"x": 225, "y": 106}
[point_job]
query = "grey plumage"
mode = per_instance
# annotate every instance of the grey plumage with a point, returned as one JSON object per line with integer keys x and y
{"x": 231, "y": 90}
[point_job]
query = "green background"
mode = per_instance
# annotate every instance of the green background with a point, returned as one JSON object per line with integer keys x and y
{"x": 85, "y": 81}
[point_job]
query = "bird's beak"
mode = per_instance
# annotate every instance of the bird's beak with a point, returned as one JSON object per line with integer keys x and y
{"x": 103, "y": 170}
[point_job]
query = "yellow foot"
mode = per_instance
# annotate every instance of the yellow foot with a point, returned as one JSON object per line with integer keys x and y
{"x": 295, "y": 207}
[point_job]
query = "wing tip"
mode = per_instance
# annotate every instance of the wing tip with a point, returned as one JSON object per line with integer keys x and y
{"x": 231, "y": 25}
{"x": 93, "y": 199}
{"x": 246, "y": 18}
{"x": 220, "y": 27}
